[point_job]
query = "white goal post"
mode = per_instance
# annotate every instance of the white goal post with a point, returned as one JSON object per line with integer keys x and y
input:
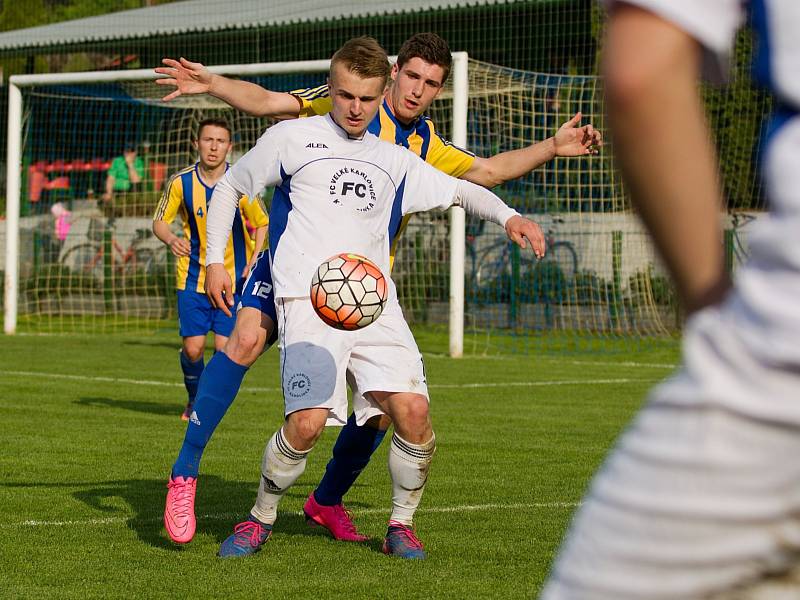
{"x": 15, "y": 165}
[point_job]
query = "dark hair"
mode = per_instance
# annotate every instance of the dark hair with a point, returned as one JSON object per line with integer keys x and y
{"x": 363, "y": 56}
{"x": 214, "y": 122}
{"x": 429, "y": 47}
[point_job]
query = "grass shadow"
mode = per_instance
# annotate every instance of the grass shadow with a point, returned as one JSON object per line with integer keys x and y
{"x": 152, "y": 408}
{"x": 217, "y": 499}
{"x": 172, "y": 344}
{"x": 220, "y": 504}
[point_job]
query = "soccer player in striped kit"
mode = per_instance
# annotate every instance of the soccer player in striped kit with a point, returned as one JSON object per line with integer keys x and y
{"x": 187, "y": 195}
{"x": 339, "y": 186}
{"x": 418, "y": 77}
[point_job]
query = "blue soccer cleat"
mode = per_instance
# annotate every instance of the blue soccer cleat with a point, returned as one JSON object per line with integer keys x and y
{"x": 402, "y": 541}
{"x": 247, "y": 539}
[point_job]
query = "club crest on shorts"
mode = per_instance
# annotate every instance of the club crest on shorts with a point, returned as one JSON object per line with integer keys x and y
{"x": 298, "y": 385}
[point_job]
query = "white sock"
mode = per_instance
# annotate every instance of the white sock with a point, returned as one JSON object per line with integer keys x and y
{"x": 281, "y": 466}
{"x": 408, "y": 466}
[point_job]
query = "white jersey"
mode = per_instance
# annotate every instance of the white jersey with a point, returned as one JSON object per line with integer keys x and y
{"x": 334, "y": 194}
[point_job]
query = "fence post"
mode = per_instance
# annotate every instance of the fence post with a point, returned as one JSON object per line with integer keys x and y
{"x": 514, "y": 286}
{"x": 108, "y": 297}
{"x": 616, "y": 268}
{"x": 728, "y": 240}
{"x": 37, "y": 251}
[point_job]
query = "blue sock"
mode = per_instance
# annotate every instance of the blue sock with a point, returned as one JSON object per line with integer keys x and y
{"x": 218, "y": 387}
{"x": 351, "y": 453}
{"x": 191, "y": 374}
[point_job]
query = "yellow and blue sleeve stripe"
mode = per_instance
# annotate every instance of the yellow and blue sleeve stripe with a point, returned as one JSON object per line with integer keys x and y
{"x": 313, "y": 101}
{"x": 446, "y": 156}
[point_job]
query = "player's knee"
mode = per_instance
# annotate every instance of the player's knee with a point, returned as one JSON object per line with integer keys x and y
{"x": 416, "y": 422}
{"x": 244, "y": 345}
{"x": 418, "y": 409}
{"x": 303, "y": 429}
{"x": 193, "y": 350}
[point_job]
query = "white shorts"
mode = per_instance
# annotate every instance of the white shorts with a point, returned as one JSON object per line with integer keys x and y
{"x": 318, "y": 361}
{"x": 694, "y": 500}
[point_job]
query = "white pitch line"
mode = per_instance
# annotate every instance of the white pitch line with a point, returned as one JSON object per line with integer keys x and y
{"x": 226, "y": 516}
{"x": 93, "y": 378}
{"x": 540, "y": 383}
{"x": 486, "y": 384}
{"x": 444, "y": 355}
{"x": 624, "y": 364}
{"x": 594, "y": 363}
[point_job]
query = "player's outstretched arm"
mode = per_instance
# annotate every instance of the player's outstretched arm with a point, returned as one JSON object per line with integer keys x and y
{"x": 194, "y": 78}
{"x": 526, "y": 233}
{"x": 482, "y": 203}
{"x": 651, "y": 71}
{"x": 571, "y": 139}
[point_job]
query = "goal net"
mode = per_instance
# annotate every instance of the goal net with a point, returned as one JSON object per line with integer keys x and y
{"x": 98, "y": 268}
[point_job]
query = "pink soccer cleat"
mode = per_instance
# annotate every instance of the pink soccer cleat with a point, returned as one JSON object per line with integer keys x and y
{"x": 336, "y": 519}
{"x": 179, "y": 512}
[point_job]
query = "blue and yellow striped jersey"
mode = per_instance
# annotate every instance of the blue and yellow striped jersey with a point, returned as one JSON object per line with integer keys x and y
{"x": 186, "y": 194}
{"x": 420, "y": 137}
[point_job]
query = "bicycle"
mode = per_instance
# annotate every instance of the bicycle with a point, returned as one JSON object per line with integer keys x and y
{"x": 88, "y": 257}
{"x": 493, "y": 266}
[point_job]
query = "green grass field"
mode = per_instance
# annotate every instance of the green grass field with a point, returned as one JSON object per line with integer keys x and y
{"x": 89, "y": 427}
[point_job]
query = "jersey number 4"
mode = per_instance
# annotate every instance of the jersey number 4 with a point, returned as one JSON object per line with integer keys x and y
{"x": 200, "y": 212}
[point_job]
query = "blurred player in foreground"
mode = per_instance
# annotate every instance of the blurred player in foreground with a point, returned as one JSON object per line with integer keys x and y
{"x": 418, "y": 77}
{"x": 701, "y": 496}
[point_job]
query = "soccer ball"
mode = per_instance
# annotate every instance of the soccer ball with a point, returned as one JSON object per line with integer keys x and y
{"x": 348, "y": 291}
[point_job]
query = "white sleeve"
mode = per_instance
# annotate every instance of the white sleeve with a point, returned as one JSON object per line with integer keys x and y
{"x": 257, "y": 169}
{"x": 427, "y": 188}
{"x": 261, "y": 166}
{"x": 221, "y": 212}
{"x": 482, "y": 203}
{"x": 424, "y": 187}
{"x": 713, "y": 23}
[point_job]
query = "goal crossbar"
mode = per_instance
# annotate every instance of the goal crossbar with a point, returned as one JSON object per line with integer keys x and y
{"x": 14, "y": 166}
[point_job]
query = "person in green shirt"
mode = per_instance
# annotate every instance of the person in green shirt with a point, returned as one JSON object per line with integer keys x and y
{"x": 125, "y": 174}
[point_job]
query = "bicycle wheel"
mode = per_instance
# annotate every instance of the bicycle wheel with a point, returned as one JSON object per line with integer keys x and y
{"x": 563, "y": 254}
{"x": 84, "y": 258}
{"x": 144, "y": 261}
{"x": 493, "y": 264}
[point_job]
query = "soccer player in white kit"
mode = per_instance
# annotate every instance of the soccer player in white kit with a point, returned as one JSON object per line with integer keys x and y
{"x": 701, "y": 496}
{"x": 341, "y": 189}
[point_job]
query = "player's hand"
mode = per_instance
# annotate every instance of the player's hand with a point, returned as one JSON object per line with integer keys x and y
{"x": 218, "y": 288}
{"x": 249, "y": 266}
{"x": 180, "y": 247}
{"x": 571, "y": 140}
{"x": 524, "y": 232}
{"x": 186, "y": 76}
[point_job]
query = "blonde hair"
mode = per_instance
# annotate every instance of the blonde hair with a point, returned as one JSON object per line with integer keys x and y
{"x": 363, "y": 56}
